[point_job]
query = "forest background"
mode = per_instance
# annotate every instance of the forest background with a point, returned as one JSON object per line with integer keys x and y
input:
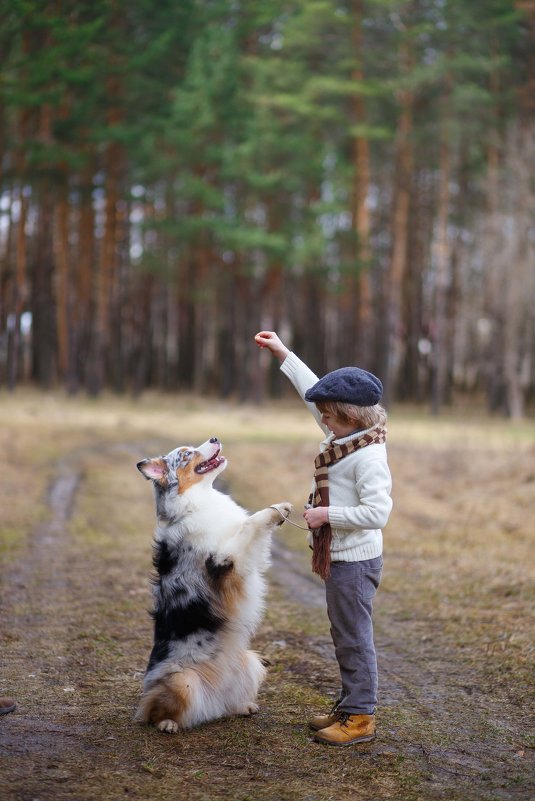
{"x": 357, "y": 175}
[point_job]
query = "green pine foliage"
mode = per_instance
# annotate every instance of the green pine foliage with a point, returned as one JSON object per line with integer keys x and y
{"x": 228, "y": 131}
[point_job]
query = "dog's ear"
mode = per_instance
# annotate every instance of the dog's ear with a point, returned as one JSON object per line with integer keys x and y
{"x": 152, "y": 469}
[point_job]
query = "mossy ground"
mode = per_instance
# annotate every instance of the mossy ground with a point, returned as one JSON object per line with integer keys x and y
{"x": 454, "y": 617}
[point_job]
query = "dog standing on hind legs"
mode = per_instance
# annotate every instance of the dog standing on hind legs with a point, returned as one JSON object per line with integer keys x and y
{"x": 209, "y": 557}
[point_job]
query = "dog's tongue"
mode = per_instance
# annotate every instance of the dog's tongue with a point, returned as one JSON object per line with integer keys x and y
{"x": 210, "y": 464}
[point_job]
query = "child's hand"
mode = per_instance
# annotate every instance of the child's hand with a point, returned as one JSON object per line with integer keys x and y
{"x": 270, "y": 340}
{"x": 317, "y": 516}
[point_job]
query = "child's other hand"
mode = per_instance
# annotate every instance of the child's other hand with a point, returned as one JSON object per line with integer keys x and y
{"x": 270, "y": 340}
{"x": 317, "y": 516}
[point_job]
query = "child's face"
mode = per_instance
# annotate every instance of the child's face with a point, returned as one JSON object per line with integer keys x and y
{"x": 340, "y": 428}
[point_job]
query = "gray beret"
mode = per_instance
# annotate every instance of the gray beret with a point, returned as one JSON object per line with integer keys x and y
{"x": 347, "y": 385}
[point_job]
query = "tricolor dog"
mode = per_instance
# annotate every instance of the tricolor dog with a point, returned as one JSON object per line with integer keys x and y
{"x": 209, "y": 557}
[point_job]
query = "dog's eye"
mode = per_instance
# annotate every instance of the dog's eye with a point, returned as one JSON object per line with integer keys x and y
{"x": 188, "y": 453}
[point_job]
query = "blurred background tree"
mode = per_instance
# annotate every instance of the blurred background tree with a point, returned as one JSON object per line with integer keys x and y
{"x": 355, "y": 174}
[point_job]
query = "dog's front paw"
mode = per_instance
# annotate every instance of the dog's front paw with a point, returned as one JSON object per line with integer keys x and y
{"x": 168, "y": 726}
{"x": 284, "y": 510}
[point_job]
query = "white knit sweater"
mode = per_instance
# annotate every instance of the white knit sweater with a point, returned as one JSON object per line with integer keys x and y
{"x": 359, "y": 484}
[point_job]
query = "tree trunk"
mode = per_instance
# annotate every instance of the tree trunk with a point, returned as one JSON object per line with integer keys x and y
{"x": 62, "y": 283}
{"x": 85, "y": 283}
{"x": 19, "y": 294}
{"x": 200, "y": 266}
{"x": 413, "y": 378}
{"x": 186, "y": 320}
{"x": 360, "y": 215}
{"x": 6, "y": 284}
{"x": 228, "y": 336}
{"x": 519, "y": 281}
{"x": 442, "y": 276}
{"x": 143, "y": 324}
{"x": 393, "y": 344}
{"x": 43, "y": 327}
{"x": 105, "y": 277}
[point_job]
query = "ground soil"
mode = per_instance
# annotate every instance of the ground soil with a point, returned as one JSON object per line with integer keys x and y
{"x": 454, "y": 722}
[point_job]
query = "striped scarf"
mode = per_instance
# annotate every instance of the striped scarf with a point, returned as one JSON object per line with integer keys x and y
{"x": 321, "y": 537}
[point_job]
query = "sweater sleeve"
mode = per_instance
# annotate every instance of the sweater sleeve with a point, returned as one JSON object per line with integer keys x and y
{"x": 302, "y": 378}
{"x": 373, "y": 483}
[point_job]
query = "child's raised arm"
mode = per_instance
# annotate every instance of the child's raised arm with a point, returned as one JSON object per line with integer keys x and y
{"x": 299, "y": 374}
{"x": 270, "y": 340}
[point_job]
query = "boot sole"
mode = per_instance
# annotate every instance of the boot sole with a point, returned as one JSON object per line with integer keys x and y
{"x": 350, "y": 742}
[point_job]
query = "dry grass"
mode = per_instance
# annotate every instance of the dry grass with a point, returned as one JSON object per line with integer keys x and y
{"x": 454, "y": 614}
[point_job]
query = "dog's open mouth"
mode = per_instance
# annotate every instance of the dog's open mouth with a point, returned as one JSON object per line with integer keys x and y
{"x": 210, "y": 464}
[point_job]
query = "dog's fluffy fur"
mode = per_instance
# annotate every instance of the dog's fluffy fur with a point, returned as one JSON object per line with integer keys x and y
{"x": 209, "y": 558}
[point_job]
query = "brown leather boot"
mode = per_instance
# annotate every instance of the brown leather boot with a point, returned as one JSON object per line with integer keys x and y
{"x": 318, "y": 722}
{"x": 348, "y": 730}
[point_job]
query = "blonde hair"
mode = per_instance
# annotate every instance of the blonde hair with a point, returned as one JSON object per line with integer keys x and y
{"x": 362, "y": 416}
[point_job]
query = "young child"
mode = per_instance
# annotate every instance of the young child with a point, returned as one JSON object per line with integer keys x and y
{"x": 348, "y": 508}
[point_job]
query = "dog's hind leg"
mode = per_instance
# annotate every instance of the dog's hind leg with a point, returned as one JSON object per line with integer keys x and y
{"x": 167, "y": 704}
{"x": 243, "y": 689}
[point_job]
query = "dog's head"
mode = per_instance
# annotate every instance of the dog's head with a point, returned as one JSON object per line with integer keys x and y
{"x": 185, "y": 467}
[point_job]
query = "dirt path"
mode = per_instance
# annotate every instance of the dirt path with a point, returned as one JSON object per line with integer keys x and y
{"x": 470, "y": 753}
{"x": 72, "y": 735}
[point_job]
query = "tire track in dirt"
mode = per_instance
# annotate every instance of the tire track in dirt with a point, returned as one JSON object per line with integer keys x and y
{"x": 39, "y": 583}
{"x": 445, "y": 698}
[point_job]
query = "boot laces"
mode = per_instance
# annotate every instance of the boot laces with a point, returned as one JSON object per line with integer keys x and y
{"x": 343, "y": 717}
{"x": 334, "y": 708}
